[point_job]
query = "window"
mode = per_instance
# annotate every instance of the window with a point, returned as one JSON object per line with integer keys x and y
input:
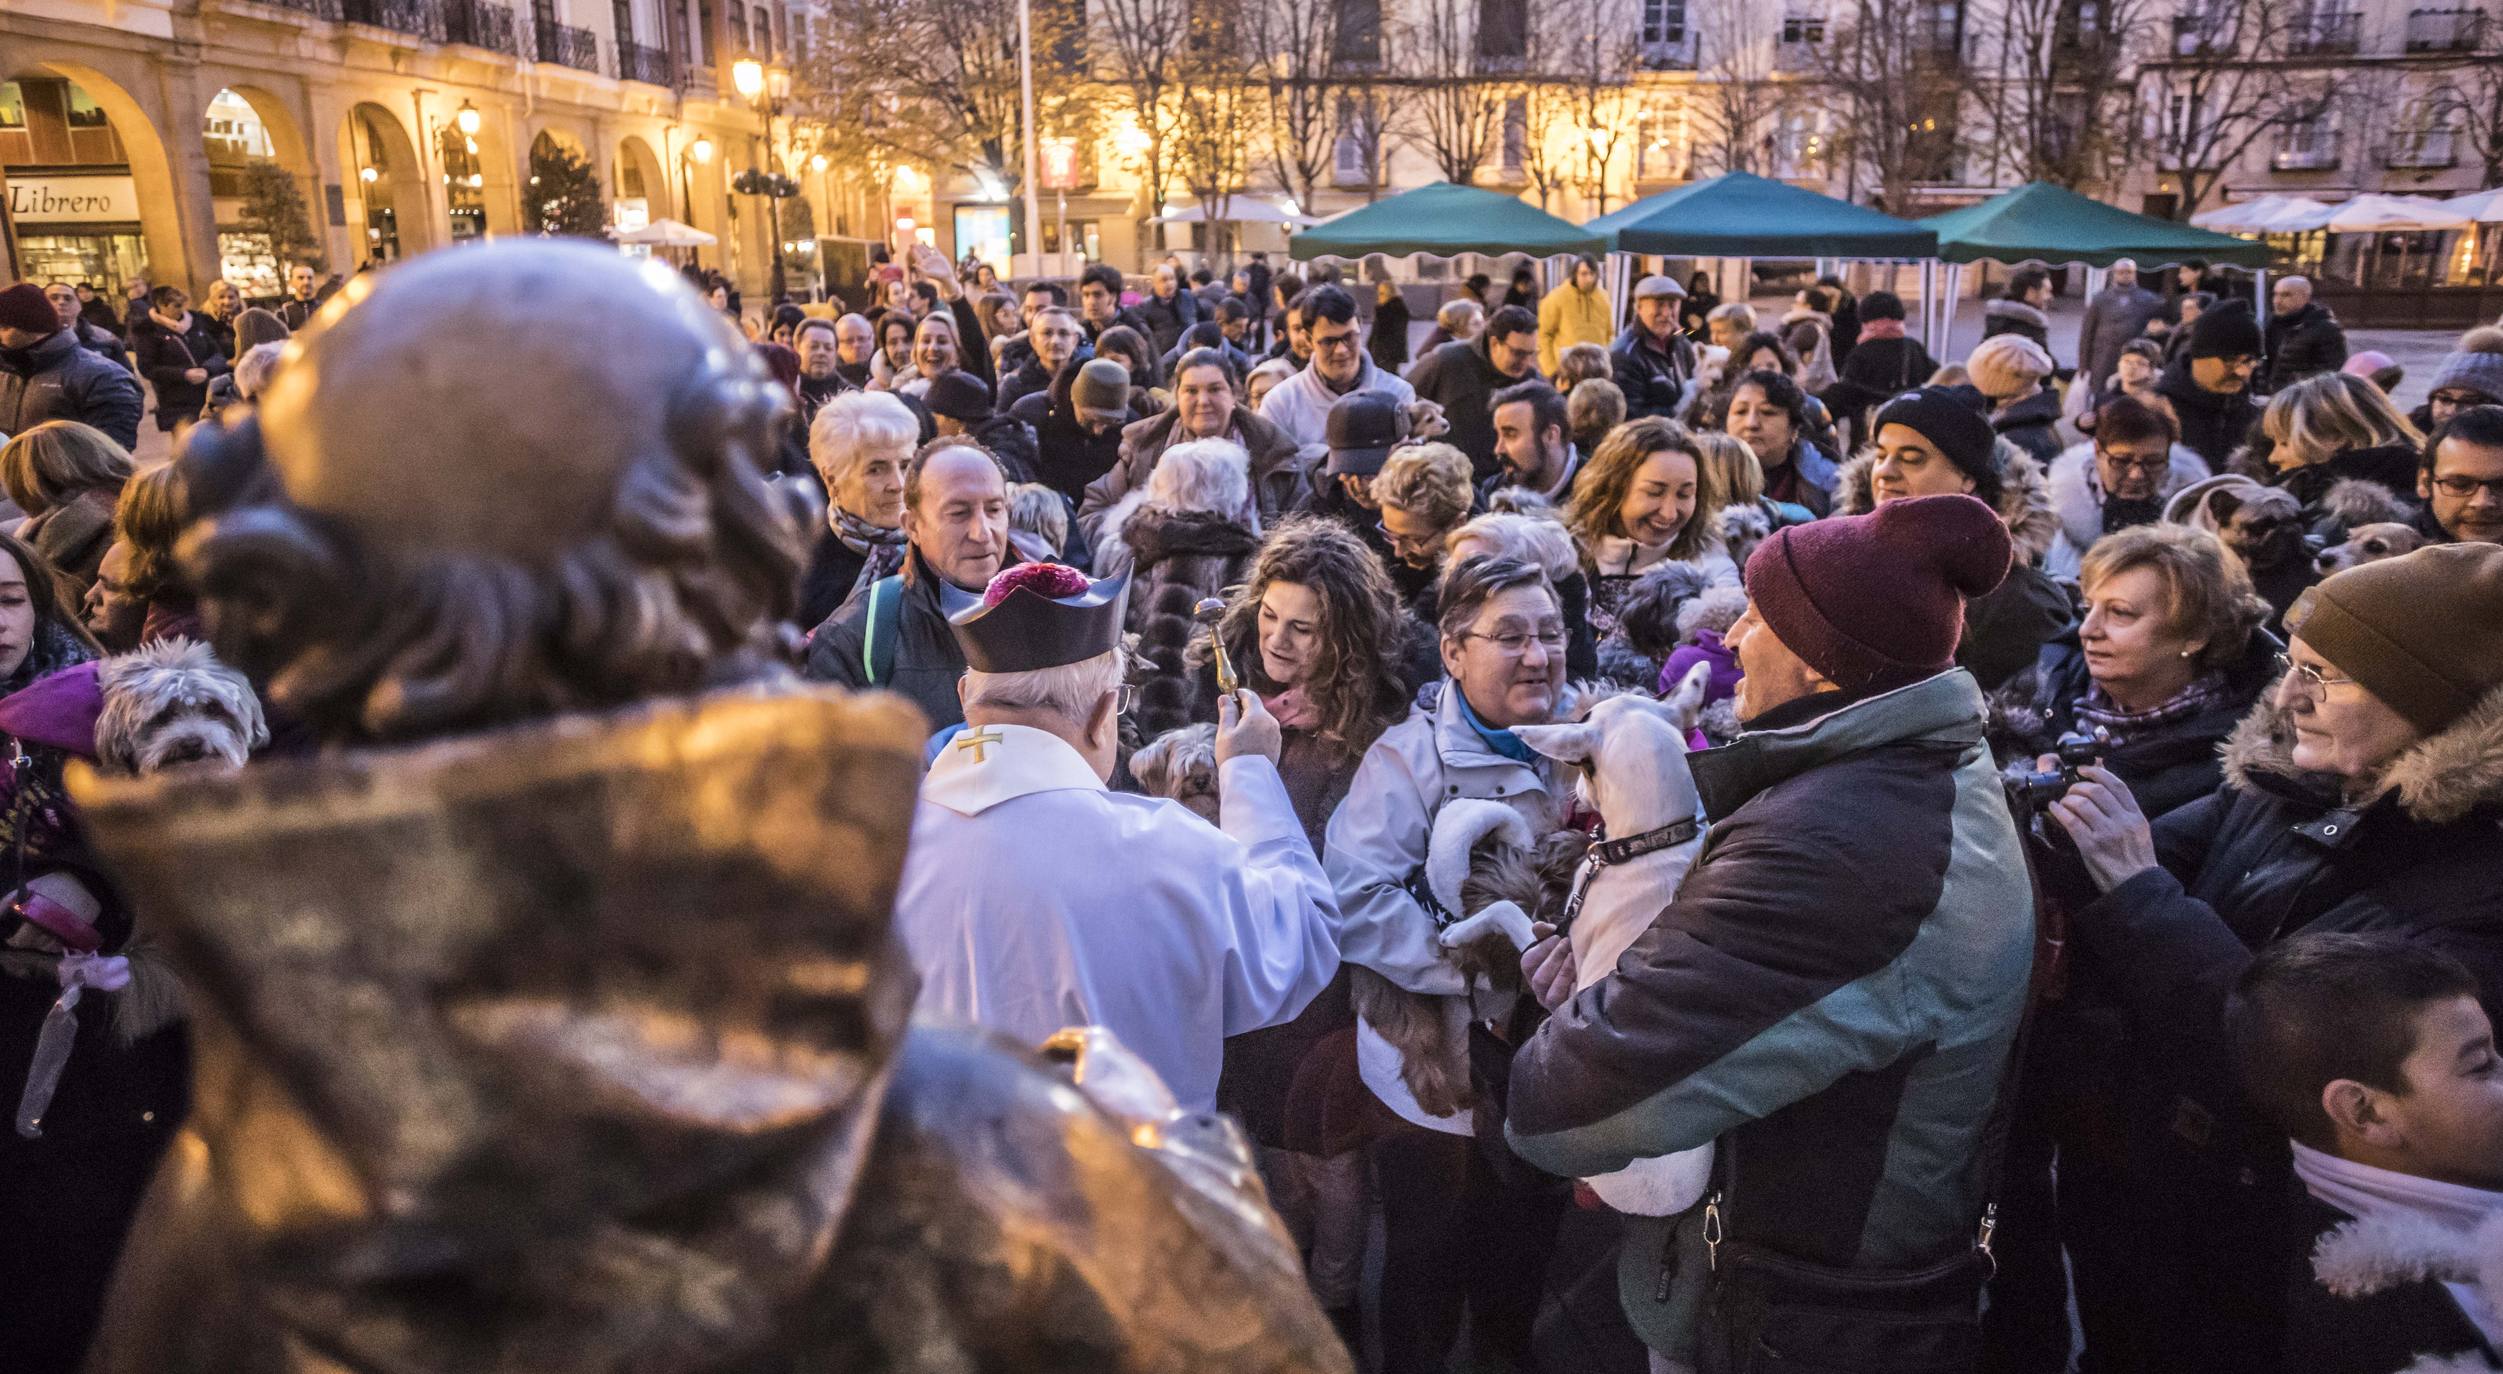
{"x": 12, "y": 106}
{"x": 1664, "y": 23}
{"x": 1516, "y": 150}
{"x": 704, "y": 33}
{"x": 1660, "y": 144}
{"x": 1359, "y": 138}
{"x": 1803, "y": 28}
{"x": 621, "y": 21}
{"x": 1358, "y": 40}
{"x": 1503, "y": 29}
{"x": 84, "y": 112}
{"x": 738, "y": 28}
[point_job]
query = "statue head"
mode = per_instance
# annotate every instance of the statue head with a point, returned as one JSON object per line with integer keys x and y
{"x": 494, "y": 484}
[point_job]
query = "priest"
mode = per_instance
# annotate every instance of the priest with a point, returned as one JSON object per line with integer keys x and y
{"x": 1034, "y": 899}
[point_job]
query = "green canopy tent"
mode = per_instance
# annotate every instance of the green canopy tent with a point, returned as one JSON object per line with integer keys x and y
{"x": 1443, "y": 220}
{"x": 2040, "y": 221}
{"x": 1741, "y": 215}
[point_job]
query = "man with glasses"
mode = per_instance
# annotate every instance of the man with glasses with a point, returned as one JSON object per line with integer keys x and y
{"x": 1034, "y": 899}
{"x": 1300, "y": 405}
{"x": 2210, "y": 385}
{"x": 2122, "y": 476}
{"x": 2462, "y": 479}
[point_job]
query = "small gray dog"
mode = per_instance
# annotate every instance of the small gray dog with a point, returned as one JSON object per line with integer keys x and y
{"x": 170, "y": 704}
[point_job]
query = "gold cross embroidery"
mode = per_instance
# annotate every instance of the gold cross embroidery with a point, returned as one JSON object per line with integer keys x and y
{"x": 978, "y": 741}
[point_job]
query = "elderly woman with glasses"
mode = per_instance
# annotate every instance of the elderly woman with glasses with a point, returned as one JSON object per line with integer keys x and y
{"x": 1455, "y": 1233}
{"x": 2363, "y": 794}
{"x": 2131, "y": 463}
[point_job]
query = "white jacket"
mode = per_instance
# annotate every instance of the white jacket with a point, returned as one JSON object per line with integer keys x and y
{"x": 2076, "y": 488}
{"x": 1300, "y": 405}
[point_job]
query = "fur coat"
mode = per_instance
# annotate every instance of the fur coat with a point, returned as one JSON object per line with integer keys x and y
{"x": 2076, "y": 492}
{"x": 1176, "y": 559}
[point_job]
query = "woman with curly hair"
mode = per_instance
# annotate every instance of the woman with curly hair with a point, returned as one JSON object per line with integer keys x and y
{"x": 1313, "y": 630}
{"x": 1645, "y": 497}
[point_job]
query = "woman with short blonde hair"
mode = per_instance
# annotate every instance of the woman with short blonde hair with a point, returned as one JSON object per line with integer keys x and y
{"x": 2333, "y": 439}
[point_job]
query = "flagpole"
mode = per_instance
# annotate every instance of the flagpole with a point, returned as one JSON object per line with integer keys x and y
{"x": 1025, "y": 76}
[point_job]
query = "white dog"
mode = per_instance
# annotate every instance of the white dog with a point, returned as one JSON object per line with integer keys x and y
{"x": 172, "y": 703}
{"x": 1631, "y": 751}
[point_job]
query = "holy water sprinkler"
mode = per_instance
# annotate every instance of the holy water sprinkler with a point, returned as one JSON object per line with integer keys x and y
{"x": 1208, "y": 612}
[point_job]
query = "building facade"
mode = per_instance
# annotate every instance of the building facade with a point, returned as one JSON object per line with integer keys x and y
{"x": 132, "y": 131}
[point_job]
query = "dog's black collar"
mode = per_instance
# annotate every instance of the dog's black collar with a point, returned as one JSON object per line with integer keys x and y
{"x": 1604, "y": 853}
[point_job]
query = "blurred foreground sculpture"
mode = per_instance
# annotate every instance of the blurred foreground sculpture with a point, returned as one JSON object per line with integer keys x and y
{"x": 554, "y": 1024}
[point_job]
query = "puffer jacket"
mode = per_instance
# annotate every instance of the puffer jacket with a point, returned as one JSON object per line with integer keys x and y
{"x": 1279, "y": 483}
{"x": 2303, "y": 344}
{"x": 164, "y": 356}
{"x": 57, "y": 379}
{"x": 2032, "y": 424}
{"x": 1567, "y": 316}
{"x": 1176, "y": 559}
{"x": 1653, "y": 379}
{"x": 928, "y": 660}
{"x": 2272, "y": 853}
{"x": 1376, "y": 851}
{"x": 1463, "y": 380}
{"x": 1831, "y": 994}
{"x": 2004, "y": 631}
{"x": 1068, "y": 455}
{"x": 1300, "y": 405}
{"x": 2076, "y": 491}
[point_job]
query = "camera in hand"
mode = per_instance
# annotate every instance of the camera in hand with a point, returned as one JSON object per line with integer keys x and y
{"x": 2030, "y": 793}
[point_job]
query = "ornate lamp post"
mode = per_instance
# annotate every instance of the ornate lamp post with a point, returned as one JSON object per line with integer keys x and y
{"x": 766, "y": 88}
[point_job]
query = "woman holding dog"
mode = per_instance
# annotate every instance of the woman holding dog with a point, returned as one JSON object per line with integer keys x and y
{"x": 2362, "y": 795}
{"x": 1455, "y": 1233}
{"x": 109, "y": 1111}
{"x": 1647, "y": 496}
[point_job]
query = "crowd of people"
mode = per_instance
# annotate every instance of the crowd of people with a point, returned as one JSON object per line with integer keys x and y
{"x": 2084, "y": 775}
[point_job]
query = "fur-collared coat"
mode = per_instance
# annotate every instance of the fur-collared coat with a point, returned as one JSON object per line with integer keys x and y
{"x": 2004, "y": 631}
{"x": 2076, "y": 491}
{"x": 2374, "y": 1296}
{"x": 2271, "y": 853}
{"x": 1176, "y": 559}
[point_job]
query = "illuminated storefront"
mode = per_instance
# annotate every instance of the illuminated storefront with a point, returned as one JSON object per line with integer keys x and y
{"x": 70, "y": 190}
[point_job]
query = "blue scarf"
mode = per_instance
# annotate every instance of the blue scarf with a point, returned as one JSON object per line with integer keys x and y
{"x": 1503, "y": 742}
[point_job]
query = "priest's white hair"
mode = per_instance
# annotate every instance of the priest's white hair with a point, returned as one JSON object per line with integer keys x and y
{"x": 1069, "y": 691}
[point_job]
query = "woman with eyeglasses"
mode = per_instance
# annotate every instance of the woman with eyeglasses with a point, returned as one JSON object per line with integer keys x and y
{"x": 2363, "y": 794}
{"x": 2131, "y": 463}
{"x": 1455, "y": 1233}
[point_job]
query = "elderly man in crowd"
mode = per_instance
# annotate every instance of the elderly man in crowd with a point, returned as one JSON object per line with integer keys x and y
{"x": 1300, "y": 405}
{"x": 2117, "y": 314}
{"x": 1653, "y": 359}
{"x": 1206, "y": 405}
{"x": 1033, "y": 898}
{"x": 893, "y": 632}
{"x": 1053, "y": 337}
{"x": 1832, "y": 993}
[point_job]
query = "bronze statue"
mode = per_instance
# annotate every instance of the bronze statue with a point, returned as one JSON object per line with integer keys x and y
{"x": 550, "y": 1021}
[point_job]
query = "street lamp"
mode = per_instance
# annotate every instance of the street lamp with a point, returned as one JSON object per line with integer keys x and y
{"x": 466, "y": 120}
{"x": 765, "y": 88}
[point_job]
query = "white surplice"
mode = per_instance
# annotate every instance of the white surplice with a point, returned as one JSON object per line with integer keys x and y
{"x": 1033, "y": 898}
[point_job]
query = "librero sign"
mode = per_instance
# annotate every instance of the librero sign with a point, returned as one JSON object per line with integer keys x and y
{"x": 73, "y": 199}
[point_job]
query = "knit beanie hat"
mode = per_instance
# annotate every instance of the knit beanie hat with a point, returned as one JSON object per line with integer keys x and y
{"x": 1949, "y": 421}
{"x": 960, "y": 396}
{"x": 1877, "y": 600}
{"x": 1102, "y": 388}
{"x": 2006, "y": 364}
{"x": 1881, "y": 305}
{"x": 23, "y": 307}
{"x": 2476, "y": 365}
{"x": 2424, "y": 633}
{"x": 2226, "y": 330}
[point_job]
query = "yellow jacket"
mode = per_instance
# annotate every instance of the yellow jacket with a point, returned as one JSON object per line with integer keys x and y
{"x": 1568, "y": 316}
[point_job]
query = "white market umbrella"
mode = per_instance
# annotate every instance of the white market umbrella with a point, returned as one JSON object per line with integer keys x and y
{"x": 1238, "y": 210}
{"x": 2485, "y": 207}
{"x": 2295, "y": 215}
{"x": 2379, "y": 214}
{"x": 2241, "y": 217}
{"x": 668, "y": 233}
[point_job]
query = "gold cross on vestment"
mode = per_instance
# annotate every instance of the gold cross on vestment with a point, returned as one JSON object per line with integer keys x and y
{"x": 978, "y": 741}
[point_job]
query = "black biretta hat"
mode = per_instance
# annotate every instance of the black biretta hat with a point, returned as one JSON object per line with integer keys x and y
{"x": 1041, "y": 615}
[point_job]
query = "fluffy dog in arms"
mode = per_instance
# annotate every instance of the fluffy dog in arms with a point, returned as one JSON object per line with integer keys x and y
{"x": 172, "y": 703}
{"x": 1631, "y": 753}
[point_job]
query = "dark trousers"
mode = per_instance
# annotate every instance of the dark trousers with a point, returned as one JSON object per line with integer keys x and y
{"x": 64, "y": 1208}
{"x": 1454, "y": 1237}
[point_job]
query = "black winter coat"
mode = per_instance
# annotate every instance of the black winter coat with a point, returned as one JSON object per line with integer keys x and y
{"x": 2303, "y": 344}
{"x": 928, "y": 660}
{"x": 1387, "y": 339}
{"x": 1877, "y": 371}
{"x": 163, "y": 358}
{"x": 1463, "y": 380}
{"x": 2272, "y": 853}
{"x": 2167, "y": 766}
{"x": 1177, "y": 558}
{"x": 2033, "y": 424}
{"x": 1654, "y": 381}
{"x": 1166, "y": 319}
{"x": 1010, "y": 440}
{"x": 2371, "y": 1333}
{"x": 2213, "y": 423}
{"x": 58, "y": 379}
{"x": 2356, "y": 487}
{"x": 1068, "y": 455}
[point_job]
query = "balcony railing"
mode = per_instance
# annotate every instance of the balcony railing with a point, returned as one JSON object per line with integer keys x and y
{"x": 2306, "y": 150}
{"x": 480, "y": 24}
{"x": 651, "y": 66}
{"x": 1667, "y": 54}
{"x": 697, "y": 79}
{"x": 566, "y": 46}
{"x": 417, "y": 18}
{"x": 318, "y": 9}
{"x": 2446, "y": 30}
{"x": 2320, "y": 35}
{"x": 2423, "y": 148}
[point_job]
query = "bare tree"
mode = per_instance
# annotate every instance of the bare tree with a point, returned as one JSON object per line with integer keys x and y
{"x": 2470, "y": 98}
{"x": 1147, "y": 42}
{"x": 2220, "y": 85}
{"x": 2056, "y": 89}
{"x": 1741, "y": 89}
{"x": 1217, "y": 94}
{"x": 1597, "y": 48}
{"x": 1455, "y": 102}
{"x": 1307, "y": 56}
{"x": 1549, "y": 157}
{"x": 1890, "y": 73}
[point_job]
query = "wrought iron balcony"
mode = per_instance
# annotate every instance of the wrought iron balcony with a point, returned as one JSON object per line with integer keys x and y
{"x": 697, "y": 80}
{"x": 567, "y": 46}
{"x": 2317, "y": 35}
{"x": 2460, "y": 30}
{"x": 315, "y": 9}
{"x": 2422, "y": 148}
{"x": 417, "y": 18}
{"x": 651, "y": 66}
{"x": 480, "y": 24}
{"x": 2306, "y": 150}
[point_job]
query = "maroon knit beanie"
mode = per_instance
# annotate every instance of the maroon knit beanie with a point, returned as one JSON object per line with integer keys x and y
{"x": 23, "y": 307}
{"x": 1877, "y": 600}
